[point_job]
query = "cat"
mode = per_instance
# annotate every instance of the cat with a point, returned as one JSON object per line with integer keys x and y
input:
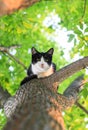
{"x": 41, "y": 65}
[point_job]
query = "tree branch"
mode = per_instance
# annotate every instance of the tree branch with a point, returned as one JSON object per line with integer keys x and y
{"x": 78, "y": 84}
{"x": 4, "y": 95}
{"x": 48, "y": 82}
{"x": 68, "y": 70}
{"x": 6, "y": 50}
{"x": 84, "y": 8}
{"x": 37, "y": 103}
{"x": 81, "y": 107}
{"x": 9, "y": 6}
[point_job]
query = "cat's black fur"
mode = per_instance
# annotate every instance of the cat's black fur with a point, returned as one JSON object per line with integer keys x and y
{"x": 36, "y": 57}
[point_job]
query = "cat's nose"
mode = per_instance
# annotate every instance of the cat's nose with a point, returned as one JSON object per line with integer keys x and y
{"x": 42, "y": 65}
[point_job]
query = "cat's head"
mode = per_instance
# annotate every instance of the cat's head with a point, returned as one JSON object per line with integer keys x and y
{"x": 42, "y": 60}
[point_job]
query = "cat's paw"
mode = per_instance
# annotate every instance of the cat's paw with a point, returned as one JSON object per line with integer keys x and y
{"x": 26, "y": 79}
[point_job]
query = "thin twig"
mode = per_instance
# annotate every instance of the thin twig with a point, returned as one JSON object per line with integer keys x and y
{"x": 3, "y": 48}
{"x": 84, "y": 8}
{"x": 6, "y": 50}
{"x": 18, "y": 61}
{"x": 14, "y": 46}
{"x": 81, "y": 107}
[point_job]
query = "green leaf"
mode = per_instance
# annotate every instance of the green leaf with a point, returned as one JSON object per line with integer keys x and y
{"x": 71, "y": 37}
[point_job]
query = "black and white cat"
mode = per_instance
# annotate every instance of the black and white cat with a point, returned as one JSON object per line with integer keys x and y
{"x": 41, "y": 65}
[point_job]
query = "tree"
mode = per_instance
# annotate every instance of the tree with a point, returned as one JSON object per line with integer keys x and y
{"x": 33, "y": 113}
{"x": 21, "y": 29}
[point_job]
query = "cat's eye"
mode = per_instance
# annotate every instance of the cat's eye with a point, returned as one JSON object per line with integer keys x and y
{"x": 38, "y": 59}
{"x": 46, "y": 60}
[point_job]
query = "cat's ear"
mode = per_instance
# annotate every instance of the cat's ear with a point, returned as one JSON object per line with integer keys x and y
{"x": 34, "y": 51}
{"x": 50, "y": 51}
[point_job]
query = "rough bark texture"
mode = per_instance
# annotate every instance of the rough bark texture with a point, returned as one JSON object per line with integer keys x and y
{"x": 4, "y": 95}
{"x": 9, "y": 6}
{"x": 38, "y": 111}
{"x": 37, "y": 106}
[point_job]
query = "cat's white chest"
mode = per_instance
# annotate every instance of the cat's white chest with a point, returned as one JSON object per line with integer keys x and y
{"x": 47, "y": 73}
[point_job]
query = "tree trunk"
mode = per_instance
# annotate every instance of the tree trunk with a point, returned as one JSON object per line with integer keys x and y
{"x": 39, "y": 111}
{"x": 37, "y": 106}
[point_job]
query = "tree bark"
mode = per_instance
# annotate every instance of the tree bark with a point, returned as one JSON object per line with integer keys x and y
{"x": 38, "y": 106}
{"x": 9, "y": 6}
{"x": 4, "y": 95}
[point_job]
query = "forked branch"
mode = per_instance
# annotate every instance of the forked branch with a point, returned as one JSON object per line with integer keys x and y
{"x": 47, "y": 83}
{"x": 37, "y": 103}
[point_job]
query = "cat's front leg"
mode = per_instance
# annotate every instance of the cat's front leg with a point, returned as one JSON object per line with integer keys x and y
{"x": 28, "y": 78}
